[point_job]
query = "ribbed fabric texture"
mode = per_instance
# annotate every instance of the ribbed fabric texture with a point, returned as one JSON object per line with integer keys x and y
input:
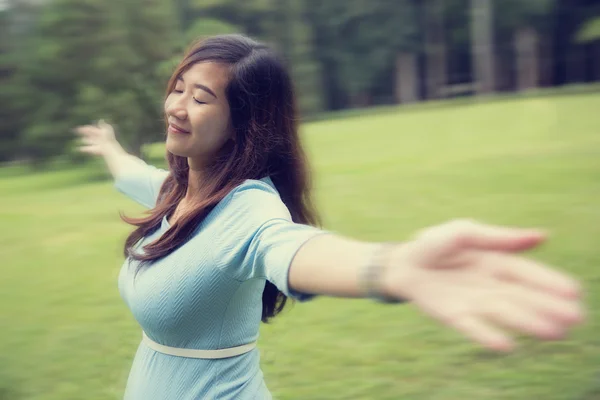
{"x": 208, "y": 293}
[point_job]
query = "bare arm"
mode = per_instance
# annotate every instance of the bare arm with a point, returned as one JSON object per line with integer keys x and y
{"x": 330, "y": 265}
{"x": 467, "y": 275}
{"x": 118, "y": 161}
{"x": 100, "y": 140}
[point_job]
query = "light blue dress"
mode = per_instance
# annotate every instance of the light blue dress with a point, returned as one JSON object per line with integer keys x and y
{"x": 208, "y": 293}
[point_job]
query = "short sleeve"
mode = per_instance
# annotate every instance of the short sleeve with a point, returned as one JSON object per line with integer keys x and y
{"x": 259, "y": 238}
{"x": 142, "y": 184}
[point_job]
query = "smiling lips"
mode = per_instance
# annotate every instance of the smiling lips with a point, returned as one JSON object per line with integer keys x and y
{"x": 176, "y": 129}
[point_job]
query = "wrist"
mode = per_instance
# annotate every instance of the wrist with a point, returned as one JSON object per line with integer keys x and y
{"x": 381, "y": 276}
{"x": 396, "y": 276}
{"x": 114, "y": 148}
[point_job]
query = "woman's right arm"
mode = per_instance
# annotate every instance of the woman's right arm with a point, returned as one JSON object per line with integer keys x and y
{"x": 132, "y": 176}
{"x": 100, "y": 140}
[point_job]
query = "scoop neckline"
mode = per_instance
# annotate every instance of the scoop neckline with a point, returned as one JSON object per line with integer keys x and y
{"x": 164, "y": 224}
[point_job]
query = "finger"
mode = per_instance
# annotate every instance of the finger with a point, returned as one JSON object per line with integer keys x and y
{"x": 483, "y": 333}
{"x": 88, "y": 149}
{"x": 87, "y": 130}
{"x": 559, "y": 308}
{"x": 522, "y": 319}
{"x": 534, "y": 274}
{"x": 79, "y": 130}
{"x": 500, "y": 238}
{"x": 87, "y": 140}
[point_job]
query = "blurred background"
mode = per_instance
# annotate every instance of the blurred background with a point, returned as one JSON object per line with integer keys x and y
{"x": 67, "y": 62}
{"x": 414, "y": 112}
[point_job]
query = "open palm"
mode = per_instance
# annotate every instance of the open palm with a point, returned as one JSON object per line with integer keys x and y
{"x": 96, "y": 139}
{"x": 470, "y": 277}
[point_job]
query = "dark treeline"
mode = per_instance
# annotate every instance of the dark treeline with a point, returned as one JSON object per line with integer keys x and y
{"x": 67, "y": 62}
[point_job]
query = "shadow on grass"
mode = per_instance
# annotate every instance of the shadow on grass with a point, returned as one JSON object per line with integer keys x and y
{"x": 8, "y": 388}
{"x": 594, "y": 392}
{"x": 8, "y": 394}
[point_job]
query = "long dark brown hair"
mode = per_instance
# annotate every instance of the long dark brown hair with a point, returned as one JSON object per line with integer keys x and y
{"x": 266, "y": 143}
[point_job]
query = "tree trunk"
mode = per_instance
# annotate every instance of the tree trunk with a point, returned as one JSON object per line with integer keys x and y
{"x": 596, "y": 61}
{"x": 303, "y": 65}
{"x": 435, "y": 48}
{"x": 527, "y": 58}
{"x": 482, "y": 42}
{"x": 502, "y": 69}
{"x": 546, "y": 61}
{"x": 406, "y": 78}
{"x": 576, "y": 64}
{"x": 360, "y": 100}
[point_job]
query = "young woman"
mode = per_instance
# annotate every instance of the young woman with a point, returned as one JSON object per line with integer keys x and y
{"x": 231, "y": 233}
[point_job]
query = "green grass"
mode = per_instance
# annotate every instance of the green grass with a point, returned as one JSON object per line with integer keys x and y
{"x": 66, "y": 334}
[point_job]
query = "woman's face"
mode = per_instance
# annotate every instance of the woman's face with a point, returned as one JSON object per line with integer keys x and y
{"x": 198, "y": 114}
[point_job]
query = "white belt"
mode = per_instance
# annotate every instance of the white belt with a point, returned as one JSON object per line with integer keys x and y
{"x": 194, "y": 353}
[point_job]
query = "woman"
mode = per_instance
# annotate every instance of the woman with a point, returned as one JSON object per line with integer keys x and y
{"x": 231, "y": 233}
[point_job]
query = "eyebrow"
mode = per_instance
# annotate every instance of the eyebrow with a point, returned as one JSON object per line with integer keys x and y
{"x": 200, "y": 86}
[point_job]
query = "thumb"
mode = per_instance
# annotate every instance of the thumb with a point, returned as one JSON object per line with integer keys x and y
{"x": 499, "y": 238}
{"x": 103, "y": 124}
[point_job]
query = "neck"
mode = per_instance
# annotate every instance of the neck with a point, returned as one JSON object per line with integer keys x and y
{"x": 196, "y": 181}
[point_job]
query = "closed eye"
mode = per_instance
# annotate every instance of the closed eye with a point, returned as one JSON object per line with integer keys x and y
{"x": 198, "y": 101}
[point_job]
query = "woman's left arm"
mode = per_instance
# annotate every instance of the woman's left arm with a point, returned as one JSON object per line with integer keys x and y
{"x": 330, "y": 265}
{"x": 467, "y": 275}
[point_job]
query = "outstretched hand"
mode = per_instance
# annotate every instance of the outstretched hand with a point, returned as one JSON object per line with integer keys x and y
{"x": 471, "y": 277}
{"x": 97, "y": 139}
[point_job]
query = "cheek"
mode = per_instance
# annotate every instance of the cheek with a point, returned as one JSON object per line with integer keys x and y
{"x": 201, "y": 121}
{"x": 209, "y": 123}
{"x": 168, "y": 102}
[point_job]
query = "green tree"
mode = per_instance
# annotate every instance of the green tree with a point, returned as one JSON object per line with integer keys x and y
{"x": 149, "y": 47}
{"x": 295, "y": 41}
{"x": 589, "y": 31}
{"x": 255, "y": 17}
{"x": 482, "y": 42}
{"x": 9, "y": 128}
{"x": 98, "y": 59}
{"x": 457, "y": 37}
{"x": 16, "y": 20}
{"x": 435, "y": 46}
{"x": 358, "y": 41}
{"x": 589, "y": 34}
{"x": 280, "y": 23}
{"x": 525, "y": 23}
{"x": 60, "y": 56}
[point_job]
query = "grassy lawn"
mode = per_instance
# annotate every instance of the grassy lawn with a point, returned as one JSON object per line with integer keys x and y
{"x": 65, "y": 333}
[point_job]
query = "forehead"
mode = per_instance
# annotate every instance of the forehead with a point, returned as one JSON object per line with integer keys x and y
{"x": 211, "y": 74}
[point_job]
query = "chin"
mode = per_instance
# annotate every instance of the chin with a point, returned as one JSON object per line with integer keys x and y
{"x": 176, "y": 149}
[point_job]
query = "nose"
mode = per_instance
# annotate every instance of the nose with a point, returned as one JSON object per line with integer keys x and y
{"x": 176, "y": 108}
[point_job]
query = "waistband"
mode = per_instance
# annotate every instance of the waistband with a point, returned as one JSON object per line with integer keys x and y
{"x": 195, "y": 353}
